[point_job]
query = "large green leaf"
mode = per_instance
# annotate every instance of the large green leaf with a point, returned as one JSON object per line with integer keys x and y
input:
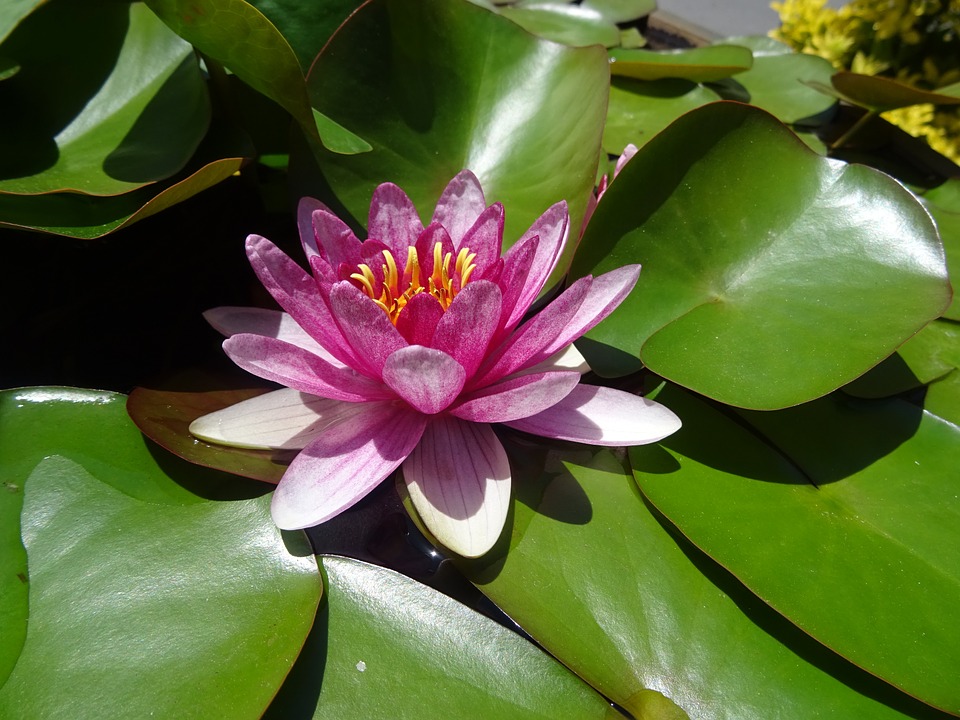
{"x": 777, "y": 80}
{"x": 628, "y": 605}
{"x": 638, "y": 109}
{"x": 12, "y": 12}
{"x": 771, "y": 275}
{"x": 436, "y": 86}
{"x": 108, "y": 100}
{"x": 387, "y": 646}
{"x": 943, "y": 202}
{"x": 842, "y": 515}
{"x": 144, "y": 600}
{"x": 238, "y": 35}
{"x": 306, "y": 25}
{"x": 881, "y": 93}
{"x": 702, "y": 64}
{"x": 621, "y": 10}
{"x": 564, "y": 23}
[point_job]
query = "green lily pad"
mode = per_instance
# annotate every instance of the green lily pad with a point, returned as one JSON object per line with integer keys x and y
{"x": 638, "y": 110}
{"x": 306, "y": 25}
{"x": 221, "y": 155}
{"x": 771, "y": 276}
{"x": 12, "y": 12}
{"x": 703, "y": 64}
{"x": 239, "y": 36}
{"x": 387, "y": 641}
{"x": 143, "y": 598}
{"x": 436, "y": 86}
{"x": 882, "y": 94}
{"x": 777, "y": 80}
{"x": 109, "y": 101}
{"x": 943, "y": 398}
{"x": 943, "y": 203}
{"x": 842, "y": 515}
{"x": 621, "y": 11}
{"x": 637, "y": 611}
{"x": 165, "y": 417}
{"x": 568, "y": 24}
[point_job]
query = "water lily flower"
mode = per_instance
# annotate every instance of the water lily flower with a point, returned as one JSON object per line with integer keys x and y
{"x": 405, "y": 349}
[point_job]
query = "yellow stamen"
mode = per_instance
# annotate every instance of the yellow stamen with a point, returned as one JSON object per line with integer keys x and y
{"x": 397, "y": 288}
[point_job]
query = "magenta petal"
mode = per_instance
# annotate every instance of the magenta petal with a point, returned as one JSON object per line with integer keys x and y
{"x": 429, "y": 380}
{"x": 459, "y": 206}
{"x": 337, "y": 242}
{"x": 393, "y": 219}
{"x": 516, "y": 398}
{"x": 366, "y": 327}
{"x": 516, "y": 267}
{"x": 485, "y": 239}
{"x": 269, "y": 323}
{"x": 296, "y": 368}
{"x": 458, "y": 478}
{"x": 344, "y": 464}
{"x": 552, "y": 228}
{"x": 602, "y": 416}
{"x": 418, "y": 319}
{"x": 606, "y": 292}
{"x": 465, "y": 330}
{"x": 297, "y": 293}
{"x": 305, "y": 209}
{"x": 428, "y": 239}
{"x": 536, "y": 334}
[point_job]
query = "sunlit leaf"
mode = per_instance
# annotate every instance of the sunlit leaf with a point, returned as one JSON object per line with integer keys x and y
{"x": 388, "y": 644}
{"x": 144, "y": 599}
{"x": 568, "y": 24}
{"x": 770, "y": 275}
{"x": 842, "y": 515}
{"x": 702, "y": 64}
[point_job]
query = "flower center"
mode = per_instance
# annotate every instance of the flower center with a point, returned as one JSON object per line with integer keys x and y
{"x": 397, "y": 288}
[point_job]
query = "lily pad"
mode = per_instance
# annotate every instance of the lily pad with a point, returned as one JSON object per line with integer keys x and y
{"x": 436, "y": 86}
{"x": 703, "y": 64}
{"x": 641, "y": 614}
{"x": 568, "y": 24}
{"x": 943, "y": 203}
{"x": 159, "y": 600}
{"x": 621, "y": 11}
{"x": 638, "y": 110}
{"x": 777, "y": 80}
{"x": 110, "y": 101}
{"x": 841, "y": 514}
{"x": 386, "y": 641}
{"x": 798, "y": 275}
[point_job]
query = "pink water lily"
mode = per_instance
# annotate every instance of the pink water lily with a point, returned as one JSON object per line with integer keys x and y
{"x": 405, "y": 349}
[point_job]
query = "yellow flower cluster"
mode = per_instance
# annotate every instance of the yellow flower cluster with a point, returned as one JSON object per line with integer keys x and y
{"x": 914, "y": 41}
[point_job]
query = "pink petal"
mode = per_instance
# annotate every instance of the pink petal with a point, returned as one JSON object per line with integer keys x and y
{"x": 294, "y": 367}
{"x": 305, "y": 210}
{"x": 460, "y": 205}
{"x": 552, "y": 228}
{"x": 393, "y": 219}
{"x": 425, "y": 244}
{"x": 606, "y": 292}
{"x": 458, "y": 478}
{"x": 429, "y": 380}
{"x": 297, "y": 293}
{"x": 366, "y": 327}
{"x": 466, "y": 327}
{"x": 418, "y": 319}
{"x": 344, "y": 464}
{"x": 269, "y": 323}
{"x": 336, "y": 241}
{"x": 516, "y": 398}
{"x": 485, "y": 239}
{"x": 628, "y": 152}
{"x": 534, "y": 335}
{"x": 567, "y": 359}
{"x": 512, "y": 279}
{"x": 284, "y": 419}
{"x": 602, "y": 416}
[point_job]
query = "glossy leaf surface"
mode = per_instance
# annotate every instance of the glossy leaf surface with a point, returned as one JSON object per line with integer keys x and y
{"x": 842, "y": 515}
{"x": 120, "y": 104}
{"x": 702, "y": 64}
{"x": 638, "y": 109}
{"x": 385, "y": 644}
{"x": 943, "y": 202}
{"x": 881, "y": 93}
{"x": 628, "y": 605}
{"x": 621, "y": 10}
{"x": 799, "y": 270}
{"x": 436, "y": 86}
{"x": 568, "y": 24}
{"x": 144, "y": 599}
{"x": 777, "y": 82}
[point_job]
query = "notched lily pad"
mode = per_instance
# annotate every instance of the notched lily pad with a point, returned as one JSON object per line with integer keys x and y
{"x": 705, "y": 64}
{"x": 796, "y": 276}
{"x": 881, "y": 94}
